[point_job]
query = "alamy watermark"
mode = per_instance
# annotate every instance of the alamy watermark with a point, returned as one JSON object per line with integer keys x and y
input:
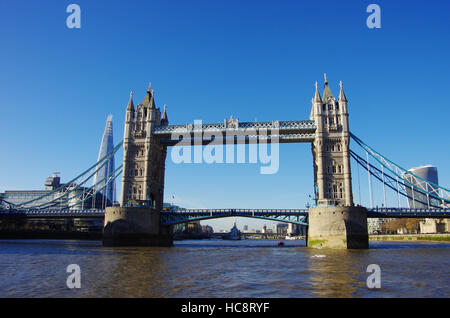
{"x": 73, "y": 21}
{"x": 374, "y": 19}
{"x": 74, "y": 279}
{"x": 374, "y": 279}
{"x": 220, "y": 147}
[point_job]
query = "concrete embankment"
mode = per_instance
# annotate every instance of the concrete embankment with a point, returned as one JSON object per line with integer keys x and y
{"x": 49, "y": 235}
{"x": 58, "y": 229}
{"x": 411, "y": 237}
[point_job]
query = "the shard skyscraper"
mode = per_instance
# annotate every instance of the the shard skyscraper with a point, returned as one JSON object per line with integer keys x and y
{"x": 103, "y": 174}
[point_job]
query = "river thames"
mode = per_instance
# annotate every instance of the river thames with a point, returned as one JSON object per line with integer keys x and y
{"x": 216, "y": 268}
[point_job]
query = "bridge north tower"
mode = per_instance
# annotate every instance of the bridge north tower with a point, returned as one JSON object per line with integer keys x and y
{"x": 144, "y": 157}
{"x": 137, "y": 221}
{"x": 332, "y": 172}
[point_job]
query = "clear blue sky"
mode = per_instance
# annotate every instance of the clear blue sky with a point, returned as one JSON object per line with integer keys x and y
{"x": 211, "y": 59}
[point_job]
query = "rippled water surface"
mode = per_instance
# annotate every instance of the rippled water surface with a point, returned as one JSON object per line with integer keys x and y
{"x": 215, "y": 268}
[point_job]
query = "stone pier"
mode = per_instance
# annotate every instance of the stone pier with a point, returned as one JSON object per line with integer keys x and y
{"x": 338, "y": 227}
{"x": 134, "y": 226}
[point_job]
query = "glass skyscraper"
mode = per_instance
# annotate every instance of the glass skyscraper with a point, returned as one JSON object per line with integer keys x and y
{"x": 105, "y": 172}
{"x": 419, "y": 199}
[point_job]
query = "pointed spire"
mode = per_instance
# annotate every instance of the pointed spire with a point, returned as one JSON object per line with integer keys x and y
{"x": 130, "y": 102}
{"x": 149, "y": 98}
{"x": 317, "y": 97}
{"x": 326, "y": 92}
{"x": 342, "y": 97}
{"x": 164, "y": 119}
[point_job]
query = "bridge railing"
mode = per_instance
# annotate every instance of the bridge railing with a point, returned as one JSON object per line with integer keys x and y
{"x": 53, "y": 213}
{"x": 281, "y": 125}
{"x": 187, "y": 211}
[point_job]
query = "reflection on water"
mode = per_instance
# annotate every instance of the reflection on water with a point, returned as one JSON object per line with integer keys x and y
{"x": 334, "y": 274}
{"x": 214, "y": 268}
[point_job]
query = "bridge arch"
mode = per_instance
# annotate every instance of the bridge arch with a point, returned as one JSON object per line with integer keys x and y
{"x": 298, "y": 217}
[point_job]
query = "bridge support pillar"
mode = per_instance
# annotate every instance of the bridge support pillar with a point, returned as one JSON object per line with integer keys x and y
{"x": 338, "y": 227}
{"x": 134, "y": 226}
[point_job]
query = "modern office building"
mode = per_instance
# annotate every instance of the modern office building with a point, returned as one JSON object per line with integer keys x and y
{"x": 282, "y": 228}
{"x": 107, "y": 170}
{"x": 295, "y": 229}
{"x": 420, "y": 200}
{"x": 416, "y": 177}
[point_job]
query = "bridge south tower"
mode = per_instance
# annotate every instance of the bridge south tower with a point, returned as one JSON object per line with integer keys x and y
{"x": 335, "y": 222}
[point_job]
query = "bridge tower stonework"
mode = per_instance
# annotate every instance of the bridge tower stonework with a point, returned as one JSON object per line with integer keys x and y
{"x": 335, "y": 222}
{"x": 137, "y": 220}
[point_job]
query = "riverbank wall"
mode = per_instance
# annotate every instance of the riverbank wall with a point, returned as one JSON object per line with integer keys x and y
{"x": 411, "y": 237}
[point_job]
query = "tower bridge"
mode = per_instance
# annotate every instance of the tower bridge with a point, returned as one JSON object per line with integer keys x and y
{"x": 334, "y": 221}
{"x": 147, "y": 135}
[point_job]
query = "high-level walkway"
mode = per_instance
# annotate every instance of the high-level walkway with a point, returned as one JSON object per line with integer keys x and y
{"x": 245, "y": 132}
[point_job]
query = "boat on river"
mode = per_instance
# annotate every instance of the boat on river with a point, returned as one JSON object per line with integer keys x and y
{"x": 234, "y": 235}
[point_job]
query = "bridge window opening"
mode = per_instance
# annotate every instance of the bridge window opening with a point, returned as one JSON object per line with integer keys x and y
{"x": 339, "y": 169}
{"x": 330, "y": 190}
{"x": 335, "y": 191}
